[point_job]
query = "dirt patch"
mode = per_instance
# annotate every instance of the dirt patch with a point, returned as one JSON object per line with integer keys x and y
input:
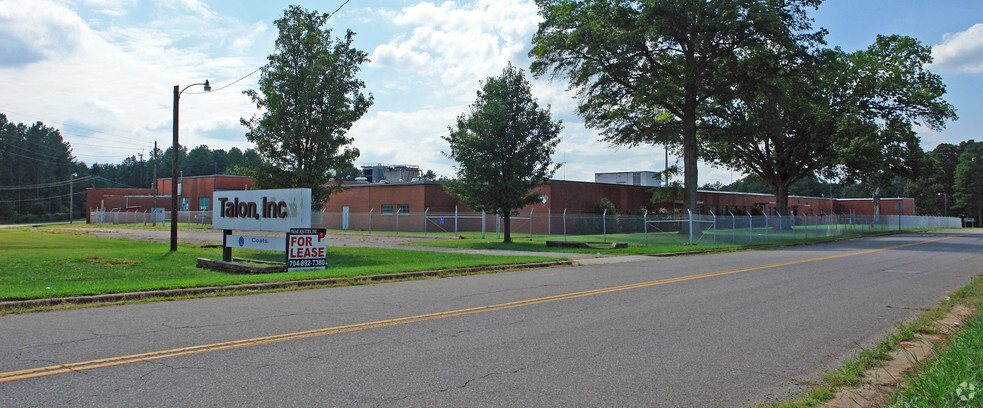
{"x": 880, "y": 382}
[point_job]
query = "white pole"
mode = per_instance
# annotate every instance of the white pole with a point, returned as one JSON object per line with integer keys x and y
{"x": 604, "y": 224}
{"x": 425, "y": 212}
{"x": 750, "y": 228}
{"x": 714, "y": 227}
{"x": 530, "y": 221}
{"x": 645, "y": 226}
{"x": 690, "y": 226}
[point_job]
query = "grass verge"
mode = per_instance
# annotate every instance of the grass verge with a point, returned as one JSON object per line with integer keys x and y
{"x": 934, "y": 384}
{"x": 658, "y": 243}
{"x": 44, "y": 265}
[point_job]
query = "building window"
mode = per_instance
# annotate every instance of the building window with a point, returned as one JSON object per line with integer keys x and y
{"x": 203, "y": 203}
{"x": 636, "y": 179}
{"x": 387, "y": 208}
{"x": 403, "y": 208}
{"x": 185, "y": 202}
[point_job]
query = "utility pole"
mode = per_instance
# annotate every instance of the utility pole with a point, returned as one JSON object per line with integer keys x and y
{"x": 153, "y": 184}
{"x": 140, "y": 165}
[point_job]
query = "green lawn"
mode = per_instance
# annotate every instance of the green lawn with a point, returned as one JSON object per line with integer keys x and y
{"x": 40, "y": 265}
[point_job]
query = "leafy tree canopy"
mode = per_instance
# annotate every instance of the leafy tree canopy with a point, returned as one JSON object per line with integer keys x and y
{"x": 310, "y": 98}
{"x": 504, "y": 147}
{"x": 647, "y": 72}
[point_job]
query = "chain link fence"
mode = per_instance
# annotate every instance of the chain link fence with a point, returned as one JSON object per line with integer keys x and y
{"x": 643, "y": 230}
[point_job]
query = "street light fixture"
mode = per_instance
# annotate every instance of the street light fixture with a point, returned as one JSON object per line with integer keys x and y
{"x": 177, "y": 98}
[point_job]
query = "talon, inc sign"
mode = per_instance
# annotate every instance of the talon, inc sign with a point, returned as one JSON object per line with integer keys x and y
{"x": 282, "y": 210}
{"x": 262, "y": 210}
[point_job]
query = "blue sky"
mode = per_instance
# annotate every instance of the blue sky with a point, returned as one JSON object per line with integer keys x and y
{"x": 103, "y": 71}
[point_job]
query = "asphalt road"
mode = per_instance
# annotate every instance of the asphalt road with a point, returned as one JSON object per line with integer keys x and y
{"x": 716, "y": 330}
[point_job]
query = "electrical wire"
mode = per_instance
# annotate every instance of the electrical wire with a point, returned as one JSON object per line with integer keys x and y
{"x": 264, "y": 65}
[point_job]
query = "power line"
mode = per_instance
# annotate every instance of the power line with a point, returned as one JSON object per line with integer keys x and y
{"x": 67, "y": 125}
{"x": 59, "y": 183}
{"x": 264, "y": 65}
{"x": 231, "y": 83}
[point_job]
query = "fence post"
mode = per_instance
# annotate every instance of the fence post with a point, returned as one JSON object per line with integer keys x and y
{"x": 482, "y": 224}
{"x": 549, "y": 221}
{"x": 604, "y": 224}
{"x": 498, "y": 226}
{"x": 781, "y": 226}
{"x": 733, "y": 227}
{"x": 750, "y": 227}
{"x": 690, "y": 226}
{"x": 714, "y": 227}
{"x": 564, "y": 225}
{"x": 370, "y": 218}
{"x": 397, "y": 220}
{"x": 766, "y": 226}
{"x": 455, "y": 222}
{"x": 645, "y": 226}
{"x": 425, "y": 212}
{"x": 530, "y": 221}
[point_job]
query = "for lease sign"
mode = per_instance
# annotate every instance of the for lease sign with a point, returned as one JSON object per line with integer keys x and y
{"x": 305, "y": 249}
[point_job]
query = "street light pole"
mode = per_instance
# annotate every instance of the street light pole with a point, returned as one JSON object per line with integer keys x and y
{"x": 174, "y": 148}
{"x": 71, "y": 197}
{"x": 945, "y": 204}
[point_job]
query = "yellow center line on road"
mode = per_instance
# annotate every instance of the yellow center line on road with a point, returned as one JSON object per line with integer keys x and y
{"x": 157, "y": 355}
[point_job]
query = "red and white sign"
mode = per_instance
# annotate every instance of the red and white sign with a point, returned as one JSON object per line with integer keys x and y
{"x": 306, "y": 249}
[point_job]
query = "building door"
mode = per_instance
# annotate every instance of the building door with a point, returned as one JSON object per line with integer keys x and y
{"x": 344, "y": 218}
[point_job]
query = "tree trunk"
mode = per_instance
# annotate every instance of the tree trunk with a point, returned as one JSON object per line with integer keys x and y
{"x": 781, "y": 202}
{"x": 507, "y": 226}
{"x": 781, "y": 198}
{"x": 690, "y": 158}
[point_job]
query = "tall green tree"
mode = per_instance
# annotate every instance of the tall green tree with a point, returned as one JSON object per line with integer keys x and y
{"x": 503, "y": 147}
{"x": 969, "y": 180}
{"x": 647, "y": 71}
{"x": 933, "y": 189}
{"x": 310, "y": 98}
{"x": 840, "y": 115}
{"x": 887, "y": 91}
{"x": 35, "y": 166}
{"x": 779, "y": 124}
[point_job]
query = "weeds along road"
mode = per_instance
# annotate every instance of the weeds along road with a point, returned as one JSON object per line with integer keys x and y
{"x": 714, "y": 330}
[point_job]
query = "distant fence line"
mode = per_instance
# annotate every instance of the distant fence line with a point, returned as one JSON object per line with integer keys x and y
{"x": 646, "y": 229}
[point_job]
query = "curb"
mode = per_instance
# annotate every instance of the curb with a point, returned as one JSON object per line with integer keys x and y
{"x": 118, "y": 297}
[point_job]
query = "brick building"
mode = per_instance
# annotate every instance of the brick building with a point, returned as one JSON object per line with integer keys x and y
{"x": 194, "y": 194}
{"x": 420, "y": 196}
{"x": 585, "y": 197}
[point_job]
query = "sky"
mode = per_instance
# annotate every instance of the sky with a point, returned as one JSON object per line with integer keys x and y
{"x": 103, "y": 72}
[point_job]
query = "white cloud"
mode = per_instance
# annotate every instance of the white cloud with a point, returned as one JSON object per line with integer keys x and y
{"x": 36, "y": 31}
{"x": 112, "y": 8}
{"x": 119, "y": 82}
{"x": 459, "y": 45}
{"x": 242, "y": 44}
{"x": 406, "y": 137}
{"x": 960, "y": 53}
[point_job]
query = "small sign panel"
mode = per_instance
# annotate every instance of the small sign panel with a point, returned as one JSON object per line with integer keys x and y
{"x": 253, "y": 242}
{"x": 306, "y": 249}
